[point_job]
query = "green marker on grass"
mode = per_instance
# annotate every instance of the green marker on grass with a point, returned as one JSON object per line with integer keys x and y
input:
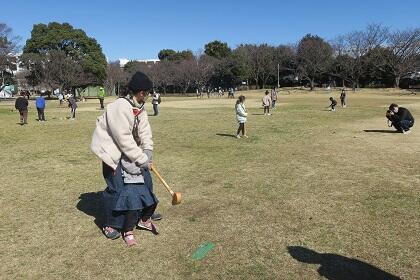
{"x": 202, "y": 251}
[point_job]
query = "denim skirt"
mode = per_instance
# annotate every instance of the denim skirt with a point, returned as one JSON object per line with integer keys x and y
{"x": 136, "y": 196}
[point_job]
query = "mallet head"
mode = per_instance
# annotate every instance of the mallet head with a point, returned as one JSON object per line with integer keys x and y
{"x": 176, "y": 198}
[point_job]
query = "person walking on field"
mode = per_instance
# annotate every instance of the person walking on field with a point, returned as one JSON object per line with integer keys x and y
{"x": 40, "y": 107}
{"x": 101, "y": 96}
{"x": 72, "y": 106}
{"x": 156, "y": 101}
{"x": 273, "y": 98}
{"x": 266, "y": 103}
{"x": 343, "y": 98}
{"x": 21, "y": 104}
{"x": 123, "y": 141}
{"x": 241, "y": 115}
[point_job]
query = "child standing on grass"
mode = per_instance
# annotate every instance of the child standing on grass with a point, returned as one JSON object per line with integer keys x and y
{"x": 266, "y": 103}
{"x": 241, "y": 115}
{"x": 123, "y": 141}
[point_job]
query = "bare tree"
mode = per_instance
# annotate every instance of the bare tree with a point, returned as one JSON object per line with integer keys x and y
{"x": 164, "y": 73}
{"x": 403, "y": 55}
{"x": 268, "y": 64}
{"x": 314, "y": 57}
{"x": 184, "y": 75}
{"x": 352, "y": 47}
{"x": 249, "y": 56}
{"x": 8, "y": 49}
{"x": 204, "y": 68}
{"x": 114, "y": 76}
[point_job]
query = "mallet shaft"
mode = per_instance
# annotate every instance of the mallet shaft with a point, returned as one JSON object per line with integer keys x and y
{"x": 162, "y": 180}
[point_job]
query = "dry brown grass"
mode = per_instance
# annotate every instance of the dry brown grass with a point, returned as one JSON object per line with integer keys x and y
{"x": 306, "y": 177}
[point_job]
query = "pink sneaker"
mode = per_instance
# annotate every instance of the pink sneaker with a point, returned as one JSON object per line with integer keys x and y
{"x": 111, "y": 233}
{"x": 147, "y": 225}
{"x": 129, "y": 238}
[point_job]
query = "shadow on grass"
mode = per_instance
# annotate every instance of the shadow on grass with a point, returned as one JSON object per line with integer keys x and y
{"x": 336, "y": 267}
{"x": 258, "y": 114}
{"x": 91, "y": 204}
{"x": 226, "y": 135}
{"x": 380, "y": 131}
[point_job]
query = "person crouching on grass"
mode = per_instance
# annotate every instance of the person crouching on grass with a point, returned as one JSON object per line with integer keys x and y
{"x": 241, "y": 115}
{"x": 123, "y": 141}
{"x": 333, "y": 104}
{"x": 400, "y": 118}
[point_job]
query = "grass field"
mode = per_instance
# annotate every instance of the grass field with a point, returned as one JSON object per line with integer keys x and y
{"x": 306, "y": 179}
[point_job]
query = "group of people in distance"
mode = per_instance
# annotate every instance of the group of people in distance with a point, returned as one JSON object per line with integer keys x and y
{"x": 269, "y": 100}
{"x": 22, "y": 104}
{"x": 398, "y": 117}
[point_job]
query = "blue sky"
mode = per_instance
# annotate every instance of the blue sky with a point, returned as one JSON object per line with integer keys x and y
{"x": 139, "y": 29}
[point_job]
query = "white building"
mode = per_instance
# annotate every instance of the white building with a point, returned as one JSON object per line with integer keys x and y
{"x": 124, "y": 61}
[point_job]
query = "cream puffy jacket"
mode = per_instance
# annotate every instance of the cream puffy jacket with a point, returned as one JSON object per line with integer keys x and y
{"x": 113, "y": 134}
{"x": 241, "y": 113}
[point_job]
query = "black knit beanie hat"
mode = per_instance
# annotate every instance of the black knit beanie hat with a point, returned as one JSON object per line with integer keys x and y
{"x": 140, "y": 82}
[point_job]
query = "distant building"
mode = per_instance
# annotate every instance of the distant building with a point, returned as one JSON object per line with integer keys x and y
{"x": 124, "y": 61}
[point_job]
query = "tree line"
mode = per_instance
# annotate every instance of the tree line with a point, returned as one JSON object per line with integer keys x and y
{"x": 59, "y": 56}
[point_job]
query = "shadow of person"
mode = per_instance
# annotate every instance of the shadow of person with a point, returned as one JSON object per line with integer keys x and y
{"x": 226, "y": 135}
{"x": 91, "y": 204}
{"x": 380, "y": 131}
{"x": 336, "y": 267}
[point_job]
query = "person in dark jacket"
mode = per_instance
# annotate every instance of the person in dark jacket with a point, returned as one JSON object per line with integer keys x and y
{"x": 343, "y": 98}
{"x": 73, "y": 106}
{"x": 400, "y": 118}
{"x": 40, "y": 107}
{"x": 21, "y": 104}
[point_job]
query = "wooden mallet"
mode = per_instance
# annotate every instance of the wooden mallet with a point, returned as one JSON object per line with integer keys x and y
{"x": 176, "y": 196}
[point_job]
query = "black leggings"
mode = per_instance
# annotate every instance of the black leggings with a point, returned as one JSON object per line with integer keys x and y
{"x": 266, "y": 109}
{"x": 147, "y": 212}
{"x": 241, "y": 128}
{"x": 73, "y": 112}
{"x": 132, "y": 217}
